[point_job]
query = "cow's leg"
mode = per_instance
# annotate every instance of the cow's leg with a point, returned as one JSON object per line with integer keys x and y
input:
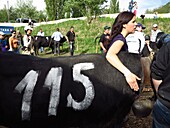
{"x": 146, "y": 62}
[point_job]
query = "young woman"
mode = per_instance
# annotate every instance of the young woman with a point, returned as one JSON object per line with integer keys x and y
{"x": 124, "y": 24}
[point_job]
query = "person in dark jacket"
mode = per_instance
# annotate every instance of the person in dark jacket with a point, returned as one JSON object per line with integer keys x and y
{"x": 104, "y": 40}
{"x": 71, "y": 39}
{"x": 161, "y": 80}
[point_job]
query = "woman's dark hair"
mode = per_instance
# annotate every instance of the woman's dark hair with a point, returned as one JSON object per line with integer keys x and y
{"x": 121, "y": 19}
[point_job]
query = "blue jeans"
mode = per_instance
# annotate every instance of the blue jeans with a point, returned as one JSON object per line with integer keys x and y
{"x": 161, "y": 115}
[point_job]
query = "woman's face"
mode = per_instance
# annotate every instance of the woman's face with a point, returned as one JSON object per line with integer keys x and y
{"x": 131, "y": 25}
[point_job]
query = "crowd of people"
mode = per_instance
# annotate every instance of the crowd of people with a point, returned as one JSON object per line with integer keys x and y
{"x": 124, "y": 35}
{"x": 127, "y": 36}
{"x": 23, "y": 44}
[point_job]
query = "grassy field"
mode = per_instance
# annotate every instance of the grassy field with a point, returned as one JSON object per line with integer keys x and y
{"x": 86, "y": 34}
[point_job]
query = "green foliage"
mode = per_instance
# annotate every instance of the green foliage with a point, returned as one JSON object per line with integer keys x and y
{"x": 55, "y": 9}
{"x": 114, "y": 6}
{"x": 3, "y": 15}
{"x": 86, "y": 8}
{"x": 22, "y": 10}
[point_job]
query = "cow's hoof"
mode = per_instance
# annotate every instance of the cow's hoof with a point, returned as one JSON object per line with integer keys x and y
{"x": 142, "y": 107}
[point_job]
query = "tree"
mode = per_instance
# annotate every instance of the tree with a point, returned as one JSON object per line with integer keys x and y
{"x": 86, "y": 8}
{"x": 3, "y": 15}
{"x": 55, "y": 9}
{"x": 114, "y": 6}
{"x": 26, "y": 9}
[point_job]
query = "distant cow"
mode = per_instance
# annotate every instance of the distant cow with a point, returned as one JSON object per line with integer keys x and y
{"x": 45, "y": 41}
{"x": 81, "y": 91}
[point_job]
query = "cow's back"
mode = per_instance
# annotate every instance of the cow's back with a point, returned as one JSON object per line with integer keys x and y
{"x": 89, "y": 91}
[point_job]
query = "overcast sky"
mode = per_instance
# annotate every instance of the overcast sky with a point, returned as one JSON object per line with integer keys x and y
{"x": 142, "y": 4}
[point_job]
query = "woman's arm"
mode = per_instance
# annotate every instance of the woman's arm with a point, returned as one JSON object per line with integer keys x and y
{"x": 113, "y": 59}
{"x": 10, "y": 44}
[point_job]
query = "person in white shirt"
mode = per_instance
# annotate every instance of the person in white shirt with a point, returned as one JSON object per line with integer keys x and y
{"x": 153, "y": 36}
{"x": 27, "y": 41}
{"x": 57, "y": 37}
{"x": 41, "y": 33}
{"x": 136, "y": 41}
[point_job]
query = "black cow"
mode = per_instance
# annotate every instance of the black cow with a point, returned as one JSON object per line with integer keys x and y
{"x": 45, "y": 41}
{"x": 81, "y": 91}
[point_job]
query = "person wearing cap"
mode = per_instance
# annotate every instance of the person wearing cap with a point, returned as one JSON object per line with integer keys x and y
{"x": 27, "y": 41}
{"x": 153, "y": 35}
{"x": 104, "y": 39}
{"x": 13, "y": 42}
{"x": 136, "y": 41}
{"x": 3, "y": 43}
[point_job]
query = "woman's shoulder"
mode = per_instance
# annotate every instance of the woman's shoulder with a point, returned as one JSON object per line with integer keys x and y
{"x": 119, "y": 37}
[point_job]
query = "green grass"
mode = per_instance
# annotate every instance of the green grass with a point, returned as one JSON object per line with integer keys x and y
{"x": 86, "y": 34}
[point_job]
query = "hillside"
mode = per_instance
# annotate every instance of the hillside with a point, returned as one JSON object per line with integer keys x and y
{"x": 163, "y": 9}
{"x": 85, "y": 35}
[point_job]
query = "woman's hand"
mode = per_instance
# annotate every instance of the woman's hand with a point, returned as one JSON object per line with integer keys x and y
{"x": 132, "y": 81}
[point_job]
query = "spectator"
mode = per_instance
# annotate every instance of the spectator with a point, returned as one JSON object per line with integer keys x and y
{"x": 19, "y": 37}
{"x": 123, "y": 25}
{"x": 3, "y": 43}
{"x": 71, "y": 39}
{"x": 41, "y": 33}
{"x": 135, "y": 7}
{"x": 57, "y": 37}
{"x": 136, "y": 41}
{"x": 13, "y": 42}
{"x": 153, "y": 35}
{"x": 160, "y": 77}
{"x": 155, "y": 15}
{"x": 27, "y": 41}
{"x": 130, "y": 6}
{"x": 104, "y": 40}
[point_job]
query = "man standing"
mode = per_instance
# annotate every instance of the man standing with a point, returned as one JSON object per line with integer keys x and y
{"x": 57, "y": 37}
{"x": 41, "y": 33}
{"x": 71, "y": 39}
{"x": 104, "y": 40}
{"x": 153, "y": 35}
{"x": 161, "y": 80}
{"x": 136, "y": 41}
{"x": 13, "y": 43}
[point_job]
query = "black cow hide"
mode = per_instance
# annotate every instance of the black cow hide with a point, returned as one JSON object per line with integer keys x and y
{"x": 81, "y": 91}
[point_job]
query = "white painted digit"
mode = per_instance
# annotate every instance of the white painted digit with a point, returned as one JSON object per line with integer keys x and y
{"x": 28, "y": 82}
{"x": 53, "y": 82}
{"x": 89, "y": 95}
